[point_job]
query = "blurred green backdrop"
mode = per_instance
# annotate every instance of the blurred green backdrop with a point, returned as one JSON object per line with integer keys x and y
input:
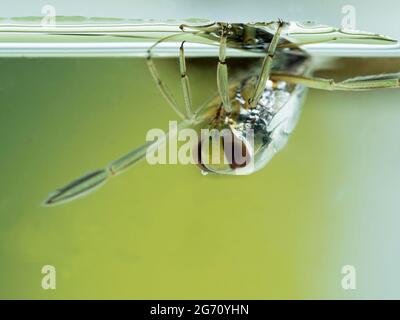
{"x": 329, "y": 199}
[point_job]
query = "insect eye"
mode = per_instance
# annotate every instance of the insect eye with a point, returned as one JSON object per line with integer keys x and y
{"x": 225, "y": 154}
{"x": 236, "y": 151}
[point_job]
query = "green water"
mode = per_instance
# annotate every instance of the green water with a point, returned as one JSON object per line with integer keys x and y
{"x": 329, "y": 199}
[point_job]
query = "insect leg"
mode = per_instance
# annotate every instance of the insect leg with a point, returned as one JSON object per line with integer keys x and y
{"x": 185, "y": 82}
{"x": 389, "y": 80}
{"x": 266, "y": 65}
{"x": 210, "y": 27}
{"x": 222, "y": 71}
{"x": 120, "y": 165}
{"x": 160, "y": 84}
{"x": 93, "y": 180}
{"x": 300, "y": 35}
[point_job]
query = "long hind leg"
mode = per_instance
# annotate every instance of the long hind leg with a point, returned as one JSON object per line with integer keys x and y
{"x": 95, "y": 179}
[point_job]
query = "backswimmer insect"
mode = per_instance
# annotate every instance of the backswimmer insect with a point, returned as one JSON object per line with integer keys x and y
{"x": 267, "y": 99}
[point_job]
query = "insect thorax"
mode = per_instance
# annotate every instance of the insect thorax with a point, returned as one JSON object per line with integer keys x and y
{"x": 265, "y": 125}
{"x": 261, "y": 116}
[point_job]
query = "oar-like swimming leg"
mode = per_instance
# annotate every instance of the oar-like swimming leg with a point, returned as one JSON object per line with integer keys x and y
{"x": 95, "y": 179}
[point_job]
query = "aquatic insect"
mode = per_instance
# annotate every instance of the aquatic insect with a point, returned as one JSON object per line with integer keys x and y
{"x": 266, "y": 100}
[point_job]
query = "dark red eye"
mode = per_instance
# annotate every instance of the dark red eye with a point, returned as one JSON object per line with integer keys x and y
{"x": 236, "y": 152}
{"x": 233, "y": 154}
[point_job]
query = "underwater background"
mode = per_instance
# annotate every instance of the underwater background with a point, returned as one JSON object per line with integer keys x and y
{"x": 330, "y": 198}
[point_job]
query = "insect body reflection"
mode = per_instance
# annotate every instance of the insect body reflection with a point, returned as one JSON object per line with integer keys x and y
{"x": 266, "y": 101}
